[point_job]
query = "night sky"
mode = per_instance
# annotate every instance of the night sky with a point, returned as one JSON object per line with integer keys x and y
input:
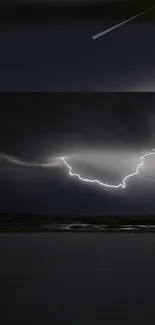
{"x": 101, "y": 135}
{"x": 55, "y": 52}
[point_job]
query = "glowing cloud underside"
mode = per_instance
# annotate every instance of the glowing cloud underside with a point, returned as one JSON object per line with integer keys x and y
{"x": 95, "y": 181}
{"x": 55, "y": 162}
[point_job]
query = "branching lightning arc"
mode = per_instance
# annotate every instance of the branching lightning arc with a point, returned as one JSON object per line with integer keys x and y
{"x": 51, "y": 164}
{"x": 123, "y": 184}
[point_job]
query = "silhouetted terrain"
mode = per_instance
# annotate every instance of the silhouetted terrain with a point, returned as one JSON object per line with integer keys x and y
{"x": 77, "y": 223}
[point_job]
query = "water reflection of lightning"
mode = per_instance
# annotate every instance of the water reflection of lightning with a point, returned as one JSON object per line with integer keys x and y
{"x": 123, "y": 184}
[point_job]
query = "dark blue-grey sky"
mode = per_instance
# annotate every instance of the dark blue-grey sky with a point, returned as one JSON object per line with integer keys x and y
{"x": 58, "y": 54}
{"x": 102, "y": 136}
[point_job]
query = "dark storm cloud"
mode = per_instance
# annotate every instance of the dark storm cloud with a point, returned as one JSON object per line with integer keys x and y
{"x": 82, "y": 120}
{"x": 102, "y": 136}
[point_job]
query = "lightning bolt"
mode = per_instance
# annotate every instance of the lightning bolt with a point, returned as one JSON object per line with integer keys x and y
{"x": 50, "y": 164}
{"x": 148, "y": 179}
{"x": 123, "y": 184}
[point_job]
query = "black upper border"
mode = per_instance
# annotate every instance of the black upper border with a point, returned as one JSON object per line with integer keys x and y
{"x": 47, "y": 11}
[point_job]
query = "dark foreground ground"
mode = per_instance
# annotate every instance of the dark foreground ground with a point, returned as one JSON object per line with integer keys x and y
{"x": 77, "y": 279}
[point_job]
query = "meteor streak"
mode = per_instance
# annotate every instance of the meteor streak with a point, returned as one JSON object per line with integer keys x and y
{"x": 120, "y": 24}
{"x": 123, "y": 184}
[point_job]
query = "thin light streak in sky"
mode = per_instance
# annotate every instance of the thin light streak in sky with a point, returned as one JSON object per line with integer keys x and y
{"x": 53, "y": 163}
{"x": 120, "y": 24}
